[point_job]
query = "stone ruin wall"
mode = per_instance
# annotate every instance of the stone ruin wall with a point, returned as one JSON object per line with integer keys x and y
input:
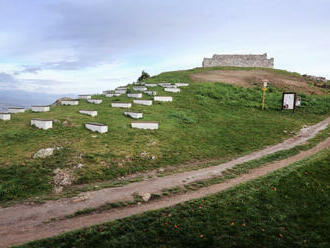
{"x": 250, "y": 60}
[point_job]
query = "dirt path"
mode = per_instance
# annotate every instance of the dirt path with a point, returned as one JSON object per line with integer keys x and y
{"x": 248, "y": 78}
{"x": 23, "y": 223}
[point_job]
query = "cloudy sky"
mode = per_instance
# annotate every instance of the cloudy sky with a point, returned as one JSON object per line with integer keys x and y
{"x": 85, "y": 46}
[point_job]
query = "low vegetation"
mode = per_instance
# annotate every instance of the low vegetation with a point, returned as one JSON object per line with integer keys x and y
{"x": 288, "y": 208}
{"x": 205, "y": 121}
{"x": 227, "y": 174}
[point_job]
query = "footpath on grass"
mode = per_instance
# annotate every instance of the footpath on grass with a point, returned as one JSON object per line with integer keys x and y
{"x": 22, "y": 223}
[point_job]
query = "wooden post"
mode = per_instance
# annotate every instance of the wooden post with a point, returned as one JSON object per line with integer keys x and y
{"x": 264, "y": 88}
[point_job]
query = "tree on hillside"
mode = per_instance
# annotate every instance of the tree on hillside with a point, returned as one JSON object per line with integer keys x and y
{"x": 143, "y": 76}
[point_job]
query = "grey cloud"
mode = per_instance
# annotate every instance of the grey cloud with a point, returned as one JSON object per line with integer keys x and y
{"x": 101, "y": 32}
{"x": 29, "y": 69}
{"x": 8, "y": 81}
{"x": 6, "y": 78}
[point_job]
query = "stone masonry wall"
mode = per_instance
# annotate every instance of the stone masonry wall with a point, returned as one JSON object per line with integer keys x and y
{"x": 250, "y": 60}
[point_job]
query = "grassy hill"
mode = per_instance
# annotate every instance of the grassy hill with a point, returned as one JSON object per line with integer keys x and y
{"x": 205, "y": 121}
{"x": 288, "y": 208}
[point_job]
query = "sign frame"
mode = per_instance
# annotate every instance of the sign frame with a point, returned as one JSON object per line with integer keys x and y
{"x": 294, "y": 101}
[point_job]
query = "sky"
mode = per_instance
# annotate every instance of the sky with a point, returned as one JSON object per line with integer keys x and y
{"x": 86, "y": 46}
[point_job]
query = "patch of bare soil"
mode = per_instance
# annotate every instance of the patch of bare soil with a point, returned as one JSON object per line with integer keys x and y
{"x": 22, "y": 223}
{"x": 251, "y": 78}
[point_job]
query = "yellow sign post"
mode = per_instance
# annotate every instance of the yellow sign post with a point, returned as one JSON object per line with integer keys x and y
{"x": 264, "y": 88}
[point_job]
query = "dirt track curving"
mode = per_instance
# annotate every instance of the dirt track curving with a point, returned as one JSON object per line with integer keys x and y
{"x": 249, "y": 78}
{"x": 22, "y": 223}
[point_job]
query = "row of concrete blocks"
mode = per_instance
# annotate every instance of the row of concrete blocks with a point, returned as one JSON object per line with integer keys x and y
{"x": 76, "y": 102}
{"x": 144, "y": 88}
{"x": 93, "y": 113}
{"x": 126, "y": 105}
{"x": 102, "y": 128}
{"x": 46, "y": 124}
{"x": 6, "y": 116}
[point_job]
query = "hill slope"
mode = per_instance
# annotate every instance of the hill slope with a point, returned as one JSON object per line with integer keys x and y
{"x": 205, "y": 121}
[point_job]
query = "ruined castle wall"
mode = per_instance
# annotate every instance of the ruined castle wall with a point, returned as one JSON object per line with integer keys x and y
{"x": 250, "y": 60}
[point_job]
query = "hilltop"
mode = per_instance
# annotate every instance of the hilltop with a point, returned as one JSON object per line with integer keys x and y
{"x": 207, "y": 122}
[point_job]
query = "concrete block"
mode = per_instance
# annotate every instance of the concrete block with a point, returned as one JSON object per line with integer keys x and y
{"x": 40, "y": 108}
{"x": 92, "y": 113}
{"x": 145, "y": 125}
{"x": 44, "y": 124}
{"x": 163, "y": 98}
{"x": 143, "y": 102}
{"x": 97, "y": 127}
{"x": 134, "y": 115}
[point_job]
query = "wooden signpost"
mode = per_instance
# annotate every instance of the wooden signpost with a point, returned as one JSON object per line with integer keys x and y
{"x": 264, "y": 88}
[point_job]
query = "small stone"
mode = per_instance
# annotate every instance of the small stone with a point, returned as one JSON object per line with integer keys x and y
{"x": 145, "y": 196}
{"x": 62, "y": 178}
{"x": 161, "y": 170}
{"x": 143, "y": 154}
{"x": 58, "y": 189}
{"x": 78, "y": 166}
{"x": 66, "y": 123}
{"x": 80, "y": 198}
{"x": 44, "y": 153}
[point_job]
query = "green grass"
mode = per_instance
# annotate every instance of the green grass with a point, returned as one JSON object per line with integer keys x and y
{"x": 205, "y": 121}
{"x": 227, "y": 174}
{"x": 287, "y": 208}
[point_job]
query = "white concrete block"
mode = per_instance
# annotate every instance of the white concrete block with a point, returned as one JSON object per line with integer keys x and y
{"x": 97, "y": 127}
{"x": 85, "y": 97}
{"x": 181, "y": 84}
{"x": 145, "y": 125}
{"x": 42, "y": 123}
{"x": 171, "y": 86}
{"x": 109, "y": 95}
{"x": 163, "y": 98}
{"x": 151, "y": 85}
{"x": 120, "y": 91}
{"x": 70, "y": 102}
{"x": 16, "y": 110}
{"x": 5, "y": 116}
{"x": 40, "y": 108}
{"x": 143, "y": 102}
{"x": 135, "y": 95}
{"x": 151, "y": 93}
{"x": 92, "y": 113}
{"x": 140, "y": 88}
{"x": 134, "y": 115}
{"x": 164, "y": 84}
{"x": 95, "y": 101}
{"x": 121, "y": 105}
{"x": 173, "y": 90}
